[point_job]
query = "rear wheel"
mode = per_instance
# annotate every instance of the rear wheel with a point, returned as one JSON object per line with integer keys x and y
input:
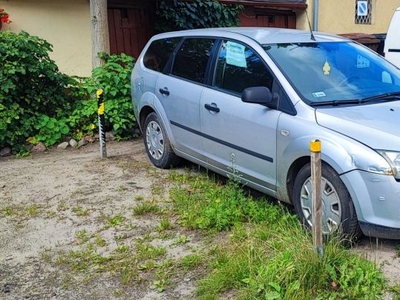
{"x": 338, "y": 213}
{"x": 157, "y": 144}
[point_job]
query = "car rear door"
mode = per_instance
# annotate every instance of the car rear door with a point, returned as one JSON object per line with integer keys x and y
{"x": 179, "y": 91}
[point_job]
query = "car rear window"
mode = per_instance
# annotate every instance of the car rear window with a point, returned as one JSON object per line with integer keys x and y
{"x": 192, "y": 58}
{"x": 159, "y": 52}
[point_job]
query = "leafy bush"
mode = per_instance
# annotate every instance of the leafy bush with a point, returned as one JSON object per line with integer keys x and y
{"x": 31, "y": 86}
{"x": 114, "y": 78}
{"x": 176, "y": 15}
{"x": 38, "y": 103}
{"x": 50, "y": 130}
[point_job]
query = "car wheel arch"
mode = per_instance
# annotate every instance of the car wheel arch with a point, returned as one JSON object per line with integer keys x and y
{"x": 299, "y": 163}
{"x": 339, "y": 211}
{"x": 297, "y": 154}
{"x": 144, "y": 112}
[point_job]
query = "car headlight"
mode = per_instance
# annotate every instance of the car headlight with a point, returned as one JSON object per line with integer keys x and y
{"x": 393, "y": 158}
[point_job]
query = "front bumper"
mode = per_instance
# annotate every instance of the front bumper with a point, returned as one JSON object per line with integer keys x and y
{"x": 377, "y": 202}
{"x": 380, "y": 231}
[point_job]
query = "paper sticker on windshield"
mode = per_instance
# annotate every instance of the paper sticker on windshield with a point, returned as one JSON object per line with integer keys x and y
{"x": 319, "y": 94}
{"x": 235, "y": 55}
{"x": 362, "y": 62}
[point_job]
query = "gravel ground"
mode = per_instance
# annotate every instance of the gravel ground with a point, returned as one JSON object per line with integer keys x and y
{"x": 50, "y": 198}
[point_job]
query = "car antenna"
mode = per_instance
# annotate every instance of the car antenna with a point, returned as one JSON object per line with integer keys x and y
{"x": 309, "y": 26}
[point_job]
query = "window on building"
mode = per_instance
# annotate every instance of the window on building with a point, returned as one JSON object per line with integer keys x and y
{"x": 363, "y": 11}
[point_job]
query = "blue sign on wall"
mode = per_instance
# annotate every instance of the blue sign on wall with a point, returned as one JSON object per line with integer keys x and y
{"x": 362, "y": 8}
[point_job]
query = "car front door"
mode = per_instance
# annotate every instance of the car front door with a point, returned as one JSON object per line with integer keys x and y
{"x": 236, "y": 135}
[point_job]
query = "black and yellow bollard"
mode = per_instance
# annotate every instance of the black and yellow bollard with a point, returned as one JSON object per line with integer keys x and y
{"x": 100, "y": 112}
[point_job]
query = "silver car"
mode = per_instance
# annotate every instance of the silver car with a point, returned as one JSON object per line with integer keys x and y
{"x": 252, "y": 99}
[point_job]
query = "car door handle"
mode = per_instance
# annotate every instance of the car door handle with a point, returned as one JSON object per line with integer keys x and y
{"x": 211, "y": 107}
{"x": 164, "y": 91}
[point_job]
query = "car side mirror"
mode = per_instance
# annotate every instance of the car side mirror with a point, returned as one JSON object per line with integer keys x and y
{"x": 260, "y": 95}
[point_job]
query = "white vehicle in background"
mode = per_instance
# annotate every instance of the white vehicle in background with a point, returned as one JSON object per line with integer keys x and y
{"x": 392, "y": 42}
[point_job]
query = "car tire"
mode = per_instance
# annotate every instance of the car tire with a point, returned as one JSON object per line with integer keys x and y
{"x": 157, "y": 144}
{"x": 338, "y": 212}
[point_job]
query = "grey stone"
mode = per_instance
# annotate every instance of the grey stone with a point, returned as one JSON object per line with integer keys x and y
{"x": 73, "y": 143}
{"x": 82, "y": 142}
{"x": 5, "y": 152}
{"x": 109, "y": 136}
{"x": 63, "y": 145}
{"x": 40, "y": 147}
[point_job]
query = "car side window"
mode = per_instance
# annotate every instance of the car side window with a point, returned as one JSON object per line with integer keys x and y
{"x": 191, "y": 59}
{"x": 239, "y": 67}
{"x": 157, "y": 55}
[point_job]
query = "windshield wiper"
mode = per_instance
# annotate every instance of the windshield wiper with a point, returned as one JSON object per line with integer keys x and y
{"x": 335, "y": 102}
{"x": 383, "y": 97}
{"x": 387, "y": 97}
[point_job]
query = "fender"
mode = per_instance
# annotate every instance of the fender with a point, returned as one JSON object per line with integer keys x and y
{"x": 342, "y": 153}
{"x": 150, "y": 100}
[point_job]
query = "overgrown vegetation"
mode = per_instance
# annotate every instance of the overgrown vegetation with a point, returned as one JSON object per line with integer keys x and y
{"x": 268, "y": 255}
{"x": 114, "y": 78}
{"x": 256, "y": 249}
{"x": 178, "y": 15}
{"x": 38, "y": 103}
{"x": 31, "y": 87}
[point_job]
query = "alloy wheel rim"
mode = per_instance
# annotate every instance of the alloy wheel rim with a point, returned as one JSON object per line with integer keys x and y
{"x": 155, "y": 140}
{"x": 331, "y": 206}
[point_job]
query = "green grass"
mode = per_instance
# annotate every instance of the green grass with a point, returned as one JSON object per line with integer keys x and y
{"x": 251, "y": 248}
{"x": 22, "y": 212}
{"x": 146, "y": 207}
{"x": 268, "y": 255}
{"x": 191, "y": 261}
{"x": 80, "y": 211}
{"x": 115, "y": 221}
{"x": 165, "y": 224}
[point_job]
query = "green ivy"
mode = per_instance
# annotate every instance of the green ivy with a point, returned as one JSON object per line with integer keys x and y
{"x": 177, "y": 15}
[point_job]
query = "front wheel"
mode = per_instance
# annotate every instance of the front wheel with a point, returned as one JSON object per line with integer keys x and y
{"x": 157, "y": 144}
{"x": 338, "y": 212}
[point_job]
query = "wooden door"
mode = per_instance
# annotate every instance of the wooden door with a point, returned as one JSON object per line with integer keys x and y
{"x": 130, "y": 27}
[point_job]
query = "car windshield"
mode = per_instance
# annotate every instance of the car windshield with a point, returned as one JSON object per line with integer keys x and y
{"x": 336, "y": 72}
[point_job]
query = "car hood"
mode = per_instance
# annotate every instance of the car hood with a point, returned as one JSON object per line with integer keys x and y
{"x": 376, "y": 125}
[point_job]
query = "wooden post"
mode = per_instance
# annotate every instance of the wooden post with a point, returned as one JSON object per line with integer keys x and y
{"x": 102, "y": 133}
{"x": 100, "y": 33}
{"x": 315, "y": 149}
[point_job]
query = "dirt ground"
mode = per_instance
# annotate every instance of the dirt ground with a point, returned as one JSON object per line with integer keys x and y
{"x": 46, "y": 199}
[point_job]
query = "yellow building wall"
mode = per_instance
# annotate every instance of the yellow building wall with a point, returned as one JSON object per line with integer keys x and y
{"x": 64, "y": 24}
{"x": 337, "y": 16}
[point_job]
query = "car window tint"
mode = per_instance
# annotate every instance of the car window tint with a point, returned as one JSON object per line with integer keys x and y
{"x": 157, "y": 55}
{"x": 238, "y": 67}
{"x": 192, "y": 58}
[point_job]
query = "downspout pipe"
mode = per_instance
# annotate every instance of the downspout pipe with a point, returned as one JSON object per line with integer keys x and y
{"x": 315, "y": 15}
